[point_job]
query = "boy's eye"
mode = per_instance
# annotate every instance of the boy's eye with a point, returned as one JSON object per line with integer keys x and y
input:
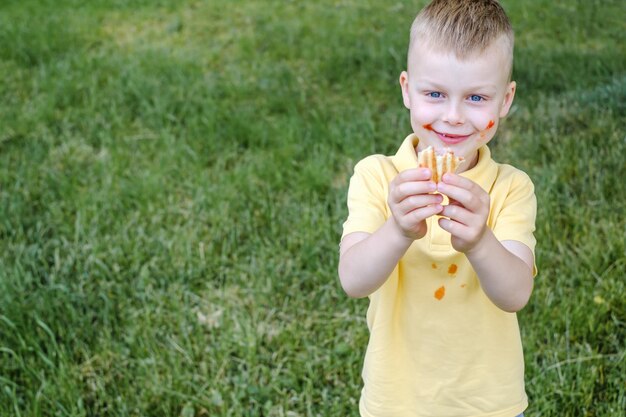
{"x": 434, "y": 94}
{"x": 475, "y": 98}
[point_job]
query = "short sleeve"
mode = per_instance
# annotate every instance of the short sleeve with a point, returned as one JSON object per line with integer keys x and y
{"x": 516, "y": 219}
{"x": 367, "y": 198}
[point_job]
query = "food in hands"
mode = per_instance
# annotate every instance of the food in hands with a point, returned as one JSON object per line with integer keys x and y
{"x": 439, "y": 163}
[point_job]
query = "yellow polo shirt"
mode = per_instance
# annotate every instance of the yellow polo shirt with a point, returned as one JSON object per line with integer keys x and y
{"x": 438, "y": 346}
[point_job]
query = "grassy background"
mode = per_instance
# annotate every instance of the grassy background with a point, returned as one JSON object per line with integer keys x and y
{"x": 172, "y": 188}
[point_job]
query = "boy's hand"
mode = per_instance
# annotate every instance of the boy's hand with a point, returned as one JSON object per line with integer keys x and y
{"x": 411, "y": 203}
{"x": 467, "y": 212}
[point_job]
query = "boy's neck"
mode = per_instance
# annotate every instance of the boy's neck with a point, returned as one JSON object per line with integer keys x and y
{"x": 473, "y": 162}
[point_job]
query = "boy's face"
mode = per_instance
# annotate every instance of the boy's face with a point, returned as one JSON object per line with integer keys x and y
{"x": 457, "y": 103}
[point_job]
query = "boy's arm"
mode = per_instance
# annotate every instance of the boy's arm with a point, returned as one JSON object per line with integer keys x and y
{"x": 366, "y": 260}
{"x": 503, "y": 268}
{"x": 511, "y": 290}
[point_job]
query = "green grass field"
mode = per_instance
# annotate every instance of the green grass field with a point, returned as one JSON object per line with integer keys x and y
{"x": 172, "y": 187}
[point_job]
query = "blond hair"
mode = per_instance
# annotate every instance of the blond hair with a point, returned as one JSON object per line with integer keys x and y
{"x": 463, "y": 27}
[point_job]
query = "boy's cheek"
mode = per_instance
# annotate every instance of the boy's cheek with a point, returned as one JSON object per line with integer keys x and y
{"x": 423, "y": 115}
{"x": 485, "y": 121}
{"x": 421, "y": 126}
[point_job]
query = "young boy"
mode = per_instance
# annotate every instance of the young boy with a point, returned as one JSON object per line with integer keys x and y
{"x": 445, "y": 265}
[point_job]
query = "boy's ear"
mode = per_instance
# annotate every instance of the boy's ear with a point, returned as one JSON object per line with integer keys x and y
{"x": 404, "y": 85}
{"x": 508, "y": 99}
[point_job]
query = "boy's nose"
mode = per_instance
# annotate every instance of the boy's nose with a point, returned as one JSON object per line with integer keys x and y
{"x": 453, "y": 114}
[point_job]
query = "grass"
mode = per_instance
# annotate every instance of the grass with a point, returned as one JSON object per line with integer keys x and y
{"x": 172, "y": 189}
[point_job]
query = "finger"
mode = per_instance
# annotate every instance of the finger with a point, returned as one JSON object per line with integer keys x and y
{"x": 423, "y": 213}
{"x": 459, "y": 181}
{"x": 459, "y": 195}
{"x": 455, "y": 228}
{"x": 467, "y": 234}
{"x": 418, "y": 201}
{"x": 474, "y": 199}
{"x": 411, "y": 188}
{"x": 459, "y": 214}
{"x": 466, "y": 184}
{"x": 414, "y": 174}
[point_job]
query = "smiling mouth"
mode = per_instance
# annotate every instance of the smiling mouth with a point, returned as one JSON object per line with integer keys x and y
{"x": 447, "y": 138}
{"x": 450, "y": 138}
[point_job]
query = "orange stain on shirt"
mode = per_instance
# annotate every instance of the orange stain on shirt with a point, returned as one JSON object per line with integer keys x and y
{"x": 452, "y": 269}
{"x": 434, "y": 265}
{"x": 441, "y": 291}
{"x": 428, "y": 126}
{"x": 463, "y": 285}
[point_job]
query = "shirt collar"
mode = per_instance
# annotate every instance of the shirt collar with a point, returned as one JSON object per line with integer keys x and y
{"x": 484, "y": 173}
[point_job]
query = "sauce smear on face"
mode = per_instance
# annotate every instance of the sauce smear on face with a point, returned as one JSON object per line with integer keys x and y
{"x": 483, "y": 133}
{"x": 428, "y": 126}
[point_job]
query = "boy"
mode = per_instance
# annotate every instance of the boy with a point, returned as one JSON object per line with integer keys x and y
{"x": 446, "y": 265}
